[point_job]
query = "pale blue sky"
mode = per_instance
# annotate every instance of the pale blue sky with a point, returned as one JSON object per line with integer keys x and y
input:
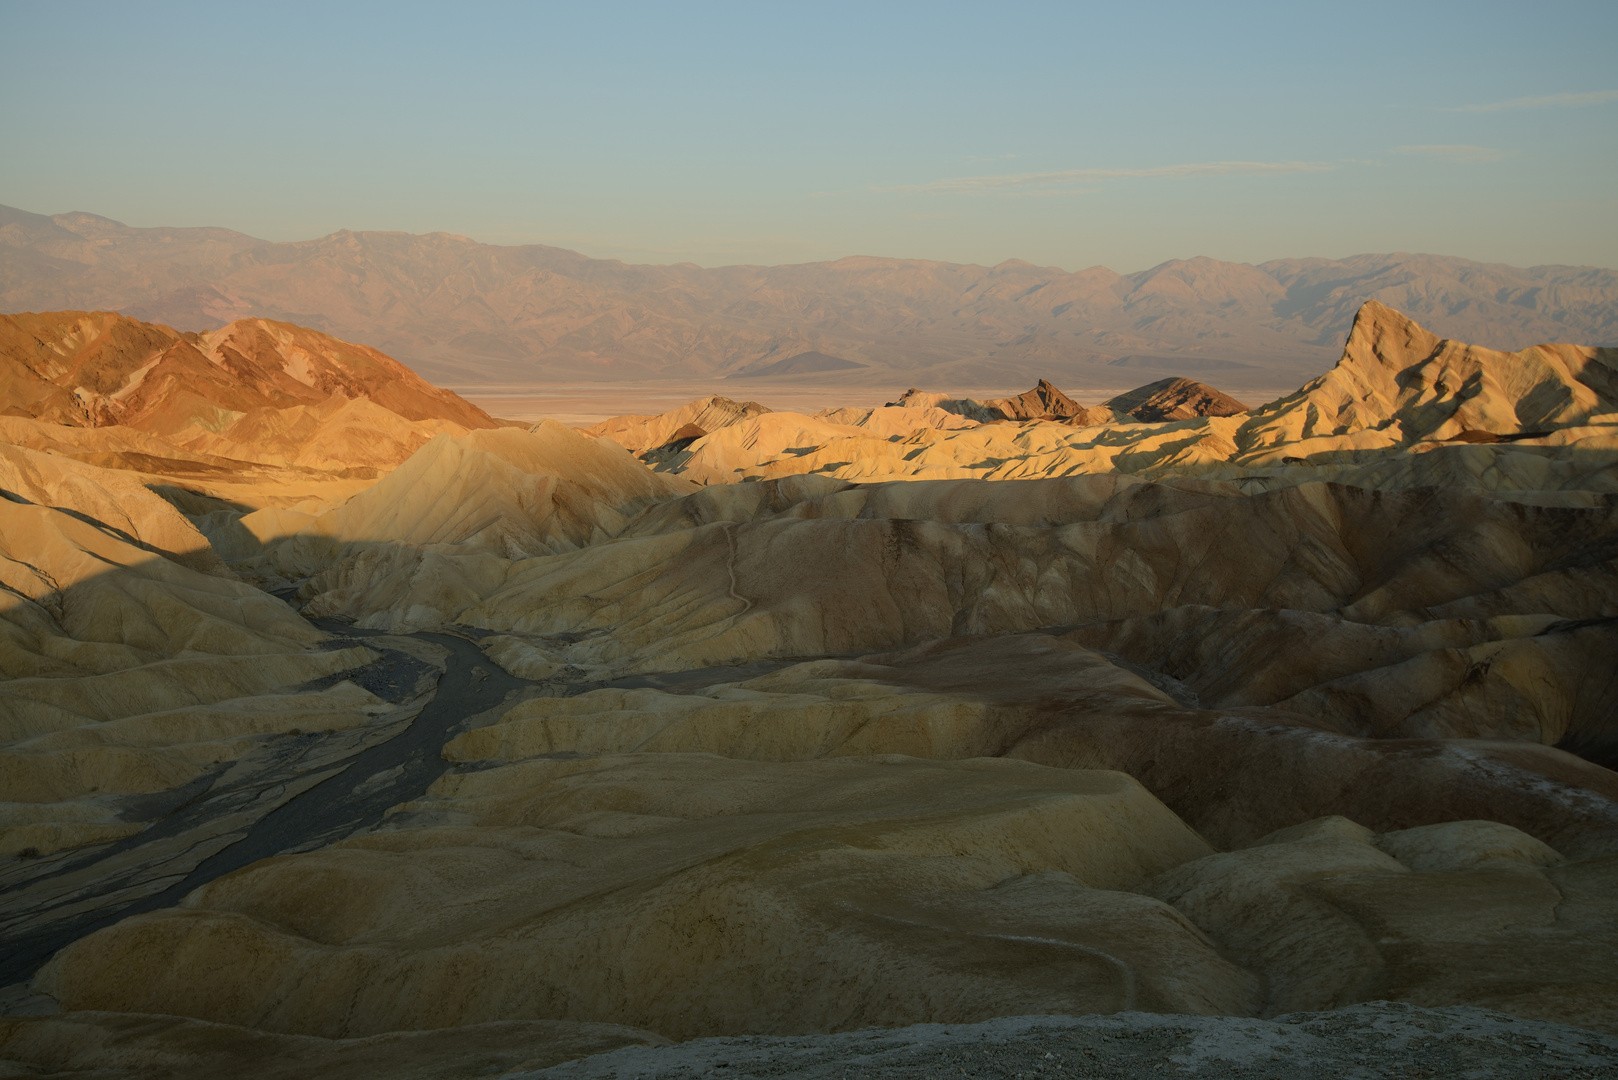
{"x": 1065, "y": 134}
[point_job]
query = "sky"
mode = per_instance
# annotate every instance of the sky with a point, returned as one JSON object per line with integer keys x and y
{"x": 1068, "y": 135}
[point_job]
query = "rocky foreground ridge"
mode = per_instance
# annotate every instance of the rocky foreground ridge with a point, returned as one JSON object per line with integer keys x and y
{"x": 811, "y": 724}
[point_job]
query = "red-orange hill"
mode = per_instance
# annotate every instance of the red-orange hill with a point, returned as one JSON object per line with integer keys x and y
{"x": 100, "y": 368}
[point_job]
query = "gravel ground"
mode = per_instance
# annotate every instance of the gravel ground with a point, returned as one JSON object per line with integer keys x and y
{"x": 1376, "y": 1040}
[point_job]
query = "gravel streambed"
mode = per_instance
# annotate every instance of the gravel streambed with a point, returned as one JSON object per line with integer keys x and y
{"x": 1377, "y": 1040}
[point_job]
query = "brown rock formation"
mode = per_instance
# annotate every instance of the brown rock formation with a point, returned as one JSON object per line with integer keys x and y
{"x": 1175, "y": 399}
{"x": 1043, "y": 402}
{"x": 97, "y": 368}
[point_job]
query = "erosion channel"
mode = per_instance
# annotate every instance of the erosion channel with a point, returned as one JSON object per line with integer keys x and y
{"x": 303, "y": 790}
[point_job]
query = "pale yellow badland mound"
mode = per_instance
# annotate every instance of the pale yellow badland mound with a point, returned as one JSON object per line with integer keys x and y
{"x": 723, "y": 577}
{"x": 441, "y": 531}
{"x": 643, "y": 433}
{"x": 116, "y": 500}
{"x": 1170, "y": 724}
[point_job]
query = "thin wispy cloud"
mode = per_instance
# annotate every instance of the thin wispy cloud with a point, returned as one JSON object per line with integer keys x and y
{"x": 1074, "y": 181}
{"x": 1548, "y": 101}
{"x": 1451, "y": 152}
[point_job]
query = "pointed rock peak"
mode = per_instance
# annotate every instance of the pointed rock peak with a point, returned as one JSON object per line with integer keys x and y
{"x": 1374, "y": 313}
{"x": 1385, "y": 337}
{"x": 1048, "y": 393}
{"x": 1394, "y": 371}
{"x": 1043, "y": 402}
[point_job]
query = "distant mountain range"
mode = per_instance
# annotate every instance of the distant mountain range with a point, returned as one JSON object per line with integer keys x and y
{"x": 461, "y": 312}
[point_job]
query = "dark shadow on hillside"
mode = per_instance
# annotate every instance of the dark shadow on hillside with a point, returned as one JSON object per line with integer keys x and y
{"x": 1234, "y": 773}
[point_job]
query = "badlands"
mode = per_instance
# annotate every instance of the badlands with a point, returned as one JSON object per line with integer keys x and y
{"x": 350, "y": 730}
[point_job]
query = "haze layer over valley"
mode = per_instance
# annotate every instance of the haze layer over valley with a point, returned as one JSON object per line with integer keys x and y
{"x": 348, "y": 730}
{"x": 471, "y": 314}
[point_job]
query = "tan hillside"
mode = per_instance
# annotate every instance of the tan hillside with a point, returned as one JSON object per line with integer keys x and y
{"x": 643, "y": 433}
{"x": 126, "y": 673}
{"x": 106, "y": 369}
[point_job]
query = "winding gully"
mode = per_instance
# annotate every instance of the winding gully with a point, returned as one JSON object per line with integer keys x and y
{"x": 299, "y": 791}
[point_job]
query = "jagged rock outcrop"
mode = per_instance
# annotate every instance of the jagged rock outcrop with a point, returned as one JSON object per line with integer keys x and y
{"x": 1398, "y": 384}
{"x": 970, "y": 408}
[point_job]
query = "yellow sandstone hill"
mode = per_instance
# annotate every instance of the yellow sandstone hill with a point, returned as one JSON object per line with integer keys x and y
{"x": 643, "y": 433}
{"x": 1398, "y": 385}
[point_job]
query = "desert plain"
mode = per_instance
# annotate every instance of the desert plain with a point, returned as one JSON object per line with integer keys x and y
{"x": 349, "y": 728}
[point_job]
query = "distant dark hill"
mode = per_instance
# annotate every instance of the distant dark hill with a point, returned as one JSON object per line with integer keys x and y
{"x": 1175, "y": 399}
{"x": 1043, "y": 402}
{"x": 460, "y": 311}
{"x": 808, "y": 363}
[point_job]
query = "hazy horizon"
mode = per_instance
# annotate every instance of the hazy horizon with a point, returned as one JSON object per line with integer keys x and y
{"x": 1063, "y": 136}
{"x": 1336, "y": 256}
